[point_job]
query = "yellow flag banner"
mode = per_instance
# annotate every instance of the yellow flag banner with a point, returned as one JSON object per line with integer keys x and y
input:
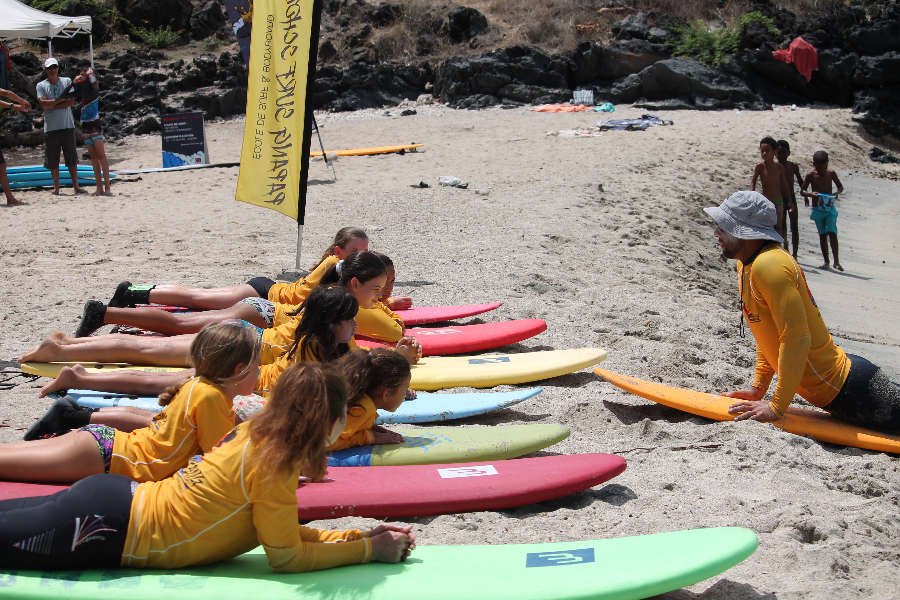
{"x": 275, "y": 150}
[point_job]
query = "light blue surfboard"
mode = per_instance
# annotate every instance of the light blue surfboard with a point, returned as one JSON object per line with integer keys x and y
{"x": 41, "y": 169}
{"x": 426, "y": 408}
{"x": 44, "y": 175}
{"x": 19, "y": 185}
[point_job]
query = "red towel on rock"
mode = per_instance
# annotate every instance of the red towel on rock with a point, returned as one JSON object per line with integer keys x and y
{"x": 804, "y": 56}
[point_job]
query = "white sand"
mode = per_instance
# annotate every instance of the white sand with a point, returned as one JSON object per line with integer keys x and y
{"x": 633, "y": 269}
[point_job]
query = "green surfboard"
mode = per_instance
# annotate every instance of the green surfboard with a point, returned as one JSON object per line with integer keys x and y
{"x": 439, "y": 445}
{"x": 620, "y": 569}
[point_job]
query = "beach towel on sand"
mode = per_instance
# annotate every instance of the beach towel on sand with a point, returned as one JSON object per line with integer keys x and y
{"x": 632, "y": 124}
{"x": 561, "y": 108}
{"x": 804, "y": 56}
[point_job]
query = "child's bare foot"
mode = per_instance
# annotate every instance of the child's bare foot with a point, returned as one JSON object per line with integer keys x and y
{"x": 67, "y": 379}
{"x": 99, "y": 192}
{"x": 59, "y": 337}
{"x": 107, "y": 194}
{"x": 839, "y": 267}
{"x": 48, "y": 351}
{"x": 55, "y": 192}
{"x": 825, "y": 266}
{"x": 79, "y": 190}
{"x": 10, "y": 201}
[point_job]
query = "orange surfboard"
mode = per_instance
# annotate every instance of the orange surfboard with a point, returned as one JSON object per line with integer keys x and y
{"x": 367, "y": 151}
{"x": 801, "y": 421}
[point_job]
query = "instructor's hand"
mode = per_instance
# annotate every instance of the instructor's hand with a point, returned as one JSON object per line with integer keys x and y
{"x": 392, "y": 543}
{"x": 752, "y": 409}
{"x": 753, "y": 393}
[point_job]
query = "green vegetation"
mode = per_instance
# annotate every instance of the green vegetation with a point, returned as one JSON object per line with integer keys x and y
{"x": 713, "y": 46}
{"x": 161, "y": 38}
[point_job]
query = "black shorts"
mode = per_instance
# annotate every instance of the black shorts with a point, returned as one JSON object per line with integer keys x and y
{"x": 261, "y": 285}
{"x": 868, "y": 399}
{"x": 83, "y": 527}
{"x": 60, "y": 139}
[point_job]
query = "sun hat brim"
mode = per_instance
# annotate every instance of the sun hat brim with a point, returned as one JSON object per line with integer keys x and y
{"x": 740, "y": 229}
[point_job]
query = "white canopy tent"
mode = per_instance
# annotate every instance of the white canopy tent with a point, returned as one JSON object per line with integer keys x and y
{"x": 21, "y": 21}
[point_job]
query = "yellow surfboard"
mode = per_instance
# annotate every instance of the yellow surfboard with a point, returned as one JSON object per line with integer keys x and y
{"x": 367, "y": 151}
{"x": 801, "y": 421}
{"x": 431, "y": 373}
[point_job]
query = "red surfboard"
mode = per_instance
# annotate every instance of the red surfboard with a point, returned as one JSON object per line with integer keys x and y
{"x": 422, "y": 490}
{"x": 438, "y": 341}
{"x": 419, "y": 315}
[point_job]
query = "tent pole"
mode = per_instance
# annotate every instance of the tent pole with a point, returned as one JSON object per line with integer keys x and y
{"x": 50, "y": 48}
{"x": 322, "y": 146}
{"x": 299, "y": 242}
{"x": 91, "y": 44}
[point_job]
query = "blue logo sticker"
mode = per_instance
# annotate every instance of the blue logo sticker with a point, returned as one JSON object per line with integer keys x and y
{"x": 558, "y": 559}
{"x": 487, "y": 361}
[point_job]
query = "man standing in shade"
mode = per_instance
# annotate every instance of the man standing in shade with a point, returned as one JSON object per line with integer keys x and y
{"x": 56, "y": 98}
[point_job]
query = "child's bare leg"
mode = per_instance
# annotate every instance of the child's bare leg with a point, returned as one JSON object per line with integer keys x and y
{"x": 64, "y": 459}
{"x": 100, "y": 150}
{"x": 123, "y": 418}
{"x": 126, "y": 381}
{"x": 832, "y": 237}
{"x": 203, "y": 299}
{"x": 66, "y": 340}
{"x": 4, "y": 182}
{"x": 73, "y": 173}
{"x": 823, "y": 244}
{"x": 168, "y": 323}
{"x": 98, "y": 174}
{"x": 161, "y": 352}
{"x": 779, "y": 226}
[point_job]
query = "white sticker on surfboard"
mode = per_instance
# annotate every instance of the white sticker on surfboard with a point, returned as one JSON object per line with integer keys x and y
{"x": 468, "y": 472}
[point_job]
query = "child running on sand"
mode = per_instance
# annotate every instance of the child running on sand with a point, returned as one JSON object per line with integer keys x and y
{"x": 347, "y": 241}
{"x": 792, "y": 172}
{"x": 773, "y": 180}
{"x": 241, "y": 494}
{"x": 379, "y": 379}
{"x": 823, "y": 211}
{"x": 198, "y": 413}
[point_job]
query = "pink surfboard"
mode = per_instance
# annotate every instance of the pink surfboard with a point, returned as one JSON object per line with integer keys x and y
{"x": 422, "y": 490}
{"x": 438, "y": 341}
{"x": 419, "y": 315}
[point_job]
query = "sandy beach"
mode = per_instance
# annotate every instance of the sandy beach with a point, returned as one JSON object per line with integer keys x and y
{"x": 602, "y": 237}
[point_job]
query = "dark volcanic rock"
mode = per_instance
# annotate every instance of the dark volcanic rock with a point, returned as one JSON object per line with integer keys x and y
{"x": 878, "y": 111}
{"x": 879, "y": 155}
{"x": 632, "y": 26}
{"x": 384, "y": 14}
{"x": 466, "y": 23}
{"x": 26, "y": 62}
{"x": 155, "y": 14}
{"x": 206, "y": 19}
{"x": 706, "y": 88}
{"x": 874, "y": 40}
{"x": 877, "y": 71}
{"x": 592, "y": 61}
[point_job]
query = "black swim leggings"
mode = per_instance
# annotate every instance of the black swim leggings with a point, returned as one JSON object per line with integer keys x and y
{"x": 83, "y": 527}
{"x": 868, "y": 399}
{"x": 261, "y": 285}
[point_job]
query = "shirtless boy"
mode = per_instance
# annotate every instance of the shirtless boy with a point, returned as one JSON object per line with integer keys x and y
{"x": 774, "y": 182}
{"x": 823, "y": 211}
{"x": 792, "y": 172}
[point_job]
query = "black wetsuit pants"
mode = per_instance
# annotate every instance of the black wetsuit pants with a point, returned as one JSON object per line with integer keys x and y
{"x": 83, "y": 527}
{"x": 868, "y": 399}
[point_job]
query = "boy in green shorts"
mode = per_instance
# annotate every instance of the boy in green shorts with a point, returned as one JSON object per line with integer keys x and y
{"x": 772, "y": 176}
{"x": 823, "y": 211}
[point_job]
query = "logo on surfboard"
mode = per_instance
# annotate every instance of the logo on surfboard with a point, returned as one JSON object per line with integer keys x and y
{"x": 488, "y": 361}
{"x": 559, "y": 559}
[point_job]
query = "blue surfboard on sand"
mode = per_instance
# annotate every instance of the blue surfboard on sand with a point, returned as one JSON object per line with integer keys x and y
{"x": 426, "y": 408}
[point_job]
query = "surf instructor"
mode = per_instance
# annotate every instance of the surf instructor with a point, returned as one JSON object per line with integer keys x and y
{"x": 792, "y": 340}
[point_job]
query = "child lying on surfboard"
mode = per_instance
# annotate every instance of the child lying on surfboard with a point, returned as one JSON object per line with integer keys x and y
{"x": 198, "y": 413}
{"x": 363, "y": 274}
{"x": 379, "y": 379}
{"x": 241, "y": 494}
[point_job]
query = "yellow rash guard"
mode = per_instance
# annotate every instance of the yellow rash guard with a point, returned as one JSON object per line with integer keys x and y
{"x": 269, "y": 374}
{"x": 295, "y": 293}
{"x": 380, "y": 323}
{"x": 791, "y": 338}
{"x": 276, "y": 340}
{"x": 357, "y": 431}
{"x": 196, "y": 419}
{"x": 282, "y": 313}
{"x": 222, "y": 505}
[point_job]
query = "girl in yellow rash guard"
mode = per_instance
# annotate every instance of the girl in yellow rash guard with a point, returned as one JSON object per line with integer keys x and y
{"x": 198, "y": 413}
{"x": 324, "y": 333}
{"x": 347, "y": 241}
{"x": 378, "y": 380}
{"x": 253, "y": 302}
{"x": 239, "y": 495}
